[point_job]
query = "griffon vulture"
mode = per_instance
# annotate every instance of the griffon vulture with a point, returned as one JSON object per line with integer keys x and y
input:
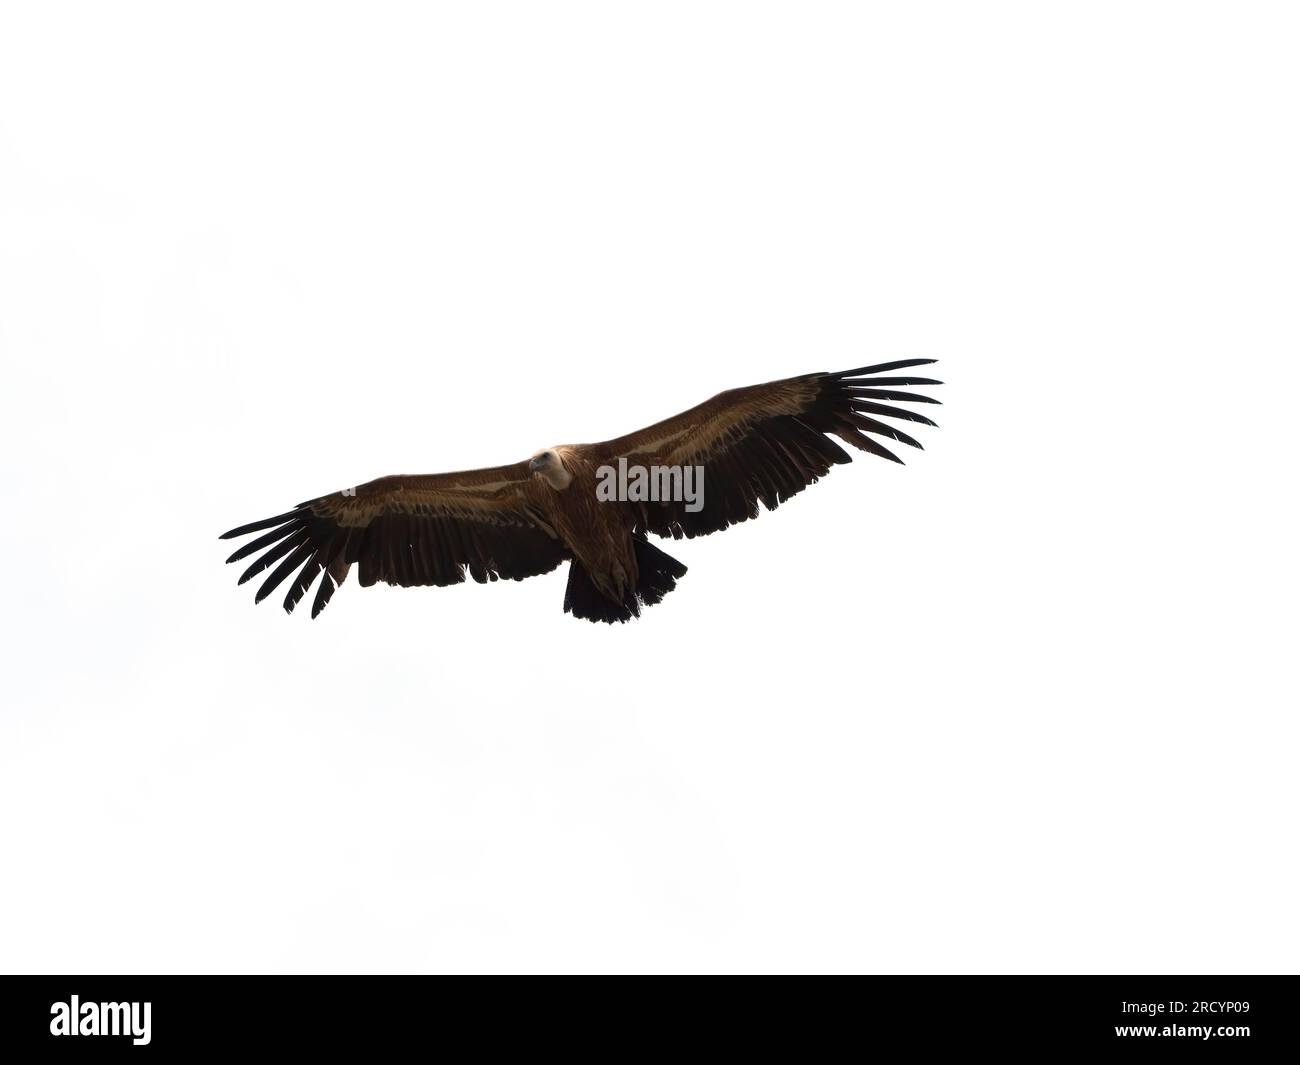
{"x": 760, "y": 444}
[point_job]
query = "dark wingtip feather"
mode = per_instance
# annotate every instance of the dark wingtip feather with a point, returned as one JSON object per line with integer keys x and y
{"x": 891, "y": 381}
{"x": 323, "y": 593}
{"x": 870, "y": 425}
{"x": 253, "y": 546}
{"x": 282, "y": 548}
{"x": 886, "y": 411}
{"x": 258, "y": 526}
{"x": 289, "y": 565}
{"x": 298, "y": 588}
{"x": 875, "y": 447}
{"x": 882, "y": 367}
{"x": 885, "y": 393}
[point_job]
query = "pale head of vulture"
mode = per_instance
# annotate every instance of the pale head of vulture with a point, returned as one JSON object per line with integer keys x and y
{"x": 549, "y": 467}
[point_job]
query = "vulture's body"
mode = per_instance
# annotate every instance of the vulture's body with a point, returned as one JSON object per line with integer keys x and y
{"x": 760, "y": 444}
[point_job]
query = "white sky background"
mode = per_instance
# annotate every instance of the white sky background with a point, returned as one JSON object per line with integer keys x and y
{"x": 1026, "y": 704}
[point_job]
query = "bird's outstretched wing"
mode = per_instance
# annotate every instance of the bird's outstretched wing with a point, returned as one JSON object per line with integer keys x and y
{"x": 764, "y": 443}
{"x": 406, "y": 530}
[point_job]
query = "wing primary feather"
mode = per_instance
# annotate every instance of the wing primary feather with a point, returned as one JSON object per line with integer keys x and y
{"x": 884, "y": 393}
{"x": 283, "y": 570}
{"x": 253, "y": 546}
{"x": 258, "y": 526}
{"x": 870, "y": 425}
{"x": 280, "y": 549}
{"x": 886, "y": 411}
{"x": 866, "y": 443}
{"x": 323, "y": 593}
{"x": 302, "y": 582}
{"x": 904, "y": 382}
{"x": 881, "y": 367}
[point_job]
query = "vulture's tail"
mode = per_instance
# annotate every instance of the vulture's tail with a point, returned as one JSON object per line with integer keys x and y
{"x": 657, "y": 575}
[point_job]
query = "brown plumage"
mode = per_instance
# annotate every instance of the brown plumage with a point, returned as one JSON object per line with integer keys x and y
{"x": 760, "y": 444}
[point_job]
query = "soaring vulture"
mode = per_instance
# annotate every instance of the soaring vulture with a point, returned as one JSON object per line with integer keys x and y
{"x": 760, "y": 444}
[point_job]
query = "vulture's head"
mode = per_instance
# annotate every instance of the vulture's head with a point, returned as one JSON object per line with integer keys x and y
{"x": 549, "y": 466}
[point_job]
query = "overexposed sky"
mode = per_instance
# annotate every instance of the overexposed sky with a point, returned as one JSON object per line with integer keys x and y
{"x": 1026, "y": 704}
